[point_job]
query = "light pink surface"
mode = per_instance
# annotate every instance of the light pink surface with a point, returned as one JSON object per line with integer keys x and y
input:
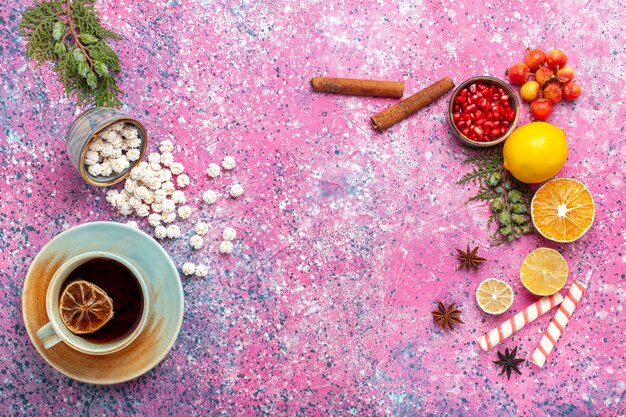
{"x": 347, "y": 236}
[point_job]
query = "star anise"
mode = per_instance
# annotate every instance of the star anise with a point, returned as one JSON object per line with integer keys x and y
{"x": 447, "y": 316}
{"x": 469, "y": 258}
{"x": 508, "y": 362}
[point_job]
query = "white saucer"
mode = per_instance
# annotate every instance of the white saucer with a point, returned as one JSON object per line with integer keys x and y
{"x": 164, "y": 286}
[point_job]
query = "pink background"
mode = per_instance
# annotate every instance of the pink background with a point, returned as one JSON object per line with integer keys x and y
{"x": 347, "y": 236}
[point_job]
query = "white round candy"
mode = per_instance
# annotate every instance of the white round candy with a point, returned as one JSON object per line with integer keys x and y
{"x": 229, "y": 234}
{"x": 226, "y": 247}
{"x": 236, "y": 190}
{"x": 213, "y": 170}
{"x": 209, "y": 197}
{"x": 228, "y": 163}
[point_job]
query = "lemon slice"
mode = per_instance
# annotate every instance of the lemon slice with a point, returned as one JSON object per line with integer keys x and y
{"x": 494, "y": 296}
{"x": 544, "y": 271}
{"x": 85, "y": 307}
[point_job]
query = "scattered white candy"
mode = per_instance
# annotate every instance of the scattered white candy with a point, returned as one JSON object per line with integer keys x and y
{"x": 166, "y": 146}
{"x": 159, "y": 196}
{"x": 182, "y": 180}
{"x": 202, "y": 271}
{"x": 132, "y": 223}
{"x": 143, "y": 210}
{"x": 168, "y": 217}
{"x": 168, "y": 206}
{"x": 229, "y": 234}
{"x": 226, "y": 247}
{"x": 154, "y": 219}
{"x": 168, "y": 187}
{"x": 137, "y": 173}
{"x": 213, "y": 170}
{"x": 177, "y": 168}
{"x": 167, "y": 159}
{"x": 173, "y": 231}
{"x": 130, "y": 185}
{"x": 236, "y": 190}
{"x": 201, "y": 228}
{"x": 112, "y": 197}
{"x": 155, "y": 166}
{"x": 189, "y": 268}
{"x": 228, "y": 163}
{"x": 165, "y": 175}
{"x": 160, "y": 232}
{"x": 157, "y": 207}
{"x": 209, "y": 197}
{"x": 196, "y": 241}
{"x": 184, "y": 212}
{"x": 154, "y": 158}
{"x": 178, "y": 197}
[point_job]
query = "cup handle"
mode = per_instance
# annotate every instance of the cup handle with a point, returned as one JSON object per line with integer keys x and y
{"x": 48, "y": 336}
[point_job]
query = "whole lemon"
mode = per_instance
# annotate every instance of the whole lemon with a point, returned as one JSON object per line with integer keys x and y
{"x": 535, "y": 152}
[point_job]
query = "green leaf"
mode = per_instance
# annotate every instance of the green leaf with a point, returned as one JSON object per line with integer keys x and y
{"x": 57, "y": 30}
{"x": 92, "y": 82}
{"x": 78, "y": 55}
{"x": 100, "y": 68}
{"x": 87, "y": 38}
{"x": 59, "y": 48}
{"x": 83, "y": 68}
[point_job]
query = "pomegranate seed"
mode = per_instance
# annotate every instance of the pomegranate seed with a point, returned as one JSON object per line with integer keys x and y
{"x": 504, "y": 98}
{"x": 488, "y": 125}
{"x": 472, "y": 88}
{"x": 460, "y": 124}
{"x": 471, "y": 107}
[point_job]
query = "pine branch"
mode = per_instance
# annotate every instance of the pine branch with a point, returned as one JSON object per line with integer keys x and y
{"x": 68, "y": 34}
{"x": 509, "y": 198}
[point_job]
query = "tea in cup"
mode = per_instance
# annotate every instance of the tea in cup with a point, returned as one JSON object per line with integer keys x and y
{"x": 81, "y": 296}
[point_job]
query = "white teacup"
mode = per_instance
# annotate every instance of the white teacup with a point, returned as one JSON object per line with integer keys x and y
{"x": 55, "y": 330}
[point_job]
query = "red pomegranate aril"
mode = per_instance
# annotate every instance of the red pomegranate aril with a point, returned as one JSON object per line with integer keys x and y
{"x": 482, "y": 112}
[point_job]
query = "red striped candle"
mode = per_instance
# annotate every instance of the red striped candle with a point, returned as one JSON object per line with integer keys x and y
{"x": 521, "y": 319}
{"x": 558, "y": 323}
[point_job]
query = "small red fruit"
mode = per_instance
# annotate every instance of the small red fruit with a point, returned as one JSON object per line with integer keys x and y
{"x": 556, "y": 59}
{"x": 565, "y": 74}
{"x": 541, "y": 108}
{"x": 543, "y": 74}
{"x": 529, "y": 91}
{"x": 553, "y": 93}
{"x": 535, "y": 58}
{"x": 571, "y": 91}
{"x": 519, "y": 73}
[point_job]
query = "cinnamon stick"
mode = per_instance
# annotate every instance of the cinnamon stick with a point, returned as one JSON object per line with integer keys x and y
{"x": 357, "y": 87}
{"x": 410, "y": 105}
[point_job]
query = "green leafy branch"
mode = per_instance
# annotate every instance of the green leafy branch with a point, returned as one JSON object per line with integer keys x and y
{"x": 510, "y": 199}
{"x": 68, "y": 34}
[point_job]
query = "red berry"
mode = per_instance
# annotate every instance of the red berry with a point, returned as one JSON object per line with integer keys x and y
{"x": 541, "y": 108}
{"x": 553, "y": 92}
{"x": 518, "y": 74}
{"x": 571, "y": 91}
{"x": 556, "y": 59}
{"x": 543, "y": 74}
{"x": 565, "y": 74}
{"x": 534, "y": 58}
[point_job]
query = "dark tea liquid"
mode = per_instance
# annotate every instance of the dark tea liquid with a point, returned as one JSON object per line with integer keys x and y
{"x": 122, "y": 286}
